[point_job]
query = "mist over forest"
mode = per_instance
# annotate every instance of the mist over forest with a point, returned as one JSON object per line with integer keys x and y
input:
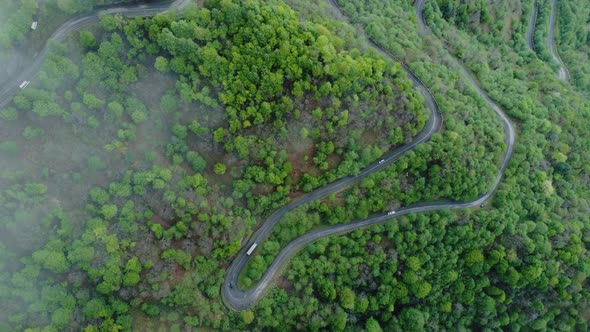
{"x": 145, "y": 147}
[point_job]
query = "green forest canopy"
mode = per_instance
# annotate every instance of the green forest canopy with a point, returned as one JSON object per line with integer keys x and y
{"x": 184, "y": 132}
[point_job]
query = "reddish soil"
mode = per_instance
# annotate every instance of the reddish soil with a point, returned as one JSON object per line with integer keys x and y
{"x": 339, "y": 201}
{"x": 297, "y": 153}
{"x": 262, "y": 189}
{"x": 163, "y": 222}
{"x": 370, "y": 137}
{"x": 295, "y": 193}
{"x": 283, "y": 283}
{"x": 212, "y": 153}
{"x": 177, "y": 244}
{"x": 177, "y": 276}
{"x": 333, "y": 160}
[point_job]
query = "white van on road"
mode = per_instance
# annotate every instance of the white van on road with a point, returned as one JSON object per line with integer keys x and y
{"x": 24, "y": 84}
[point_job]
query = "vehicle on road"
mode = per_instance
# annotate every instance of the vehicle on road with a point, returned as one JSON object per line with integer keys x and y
{"x": 252, "y": 247}
{"x": 231, "y": 284}
{"x": 24, "y": 84}
{"x": 241, "y": 300}
{"x": 381, "y": 161}
{"x": 34, "y": 25}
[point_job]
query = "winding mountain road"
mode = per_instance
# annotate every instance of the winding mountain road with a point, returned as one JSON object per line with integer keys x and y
{"x": 232, "y": 296}
{"x": 530, "y": 33}
{"x": 562, "y": 73}
{"x": 239, "y": 300}
{"x": 10, "y": 88}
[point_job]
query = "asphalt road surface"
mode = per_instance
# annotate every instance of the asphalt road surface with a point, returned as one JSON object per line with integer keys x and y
{"x": 239, "y": 299}
{"x": 562, "y": 73}
{"x": 10, "y": 88}
{"x": 530, "y": 33}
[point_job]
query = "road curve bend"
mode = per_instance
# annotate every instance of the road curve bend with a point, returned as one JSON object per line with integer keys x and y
{"x": 11, "y": 87}
{"x": 237, "y": 299}
{"x": 232, "y": 296}
{"x": 562, "y": 73}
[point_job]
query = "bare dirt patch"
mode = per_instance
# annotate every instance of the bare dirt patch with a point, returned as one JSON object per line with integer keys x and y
{"x": 152, "y": 86}
{"x": 165, "y": 223}
{"x": 333, "y": 160}
{"x": 299, "y": 149}
{"x": 370, "y": 137}
{"x": 285, "y": 284}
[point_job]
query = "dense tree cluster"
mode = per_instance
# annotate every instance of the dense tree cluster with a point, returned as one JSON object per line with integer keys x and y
{"x": 499, "y": 22}
{"x": 185, "y": 131}
{"x": 264, "y": 77}
{"x": 520, "y": 264}
{"x": 241, "y": 120}
{"x": 573, "y": 40}
{"x": 16, "y": 16}
{"x": 527, "y": 257}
